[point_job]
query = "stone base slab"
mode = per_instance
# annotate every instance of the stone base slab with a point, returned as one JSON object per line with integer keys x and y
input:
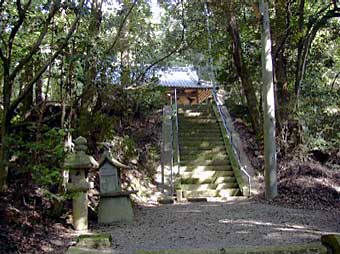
{"x": 115, "y": 209}
{"x": 78, "y": 250}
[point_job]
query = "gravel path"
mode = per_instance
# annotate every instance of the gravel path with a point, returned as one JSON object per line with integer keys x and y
{"x": 217, "y": 225}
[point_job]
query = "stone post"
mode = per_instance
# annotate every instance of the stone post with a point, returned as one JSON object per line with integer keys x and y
{"x": 79, "y": 163}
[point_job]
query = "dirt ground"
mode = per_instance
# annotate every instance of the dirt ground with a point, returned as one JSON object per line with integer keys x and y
{"x": 217, "y": 225}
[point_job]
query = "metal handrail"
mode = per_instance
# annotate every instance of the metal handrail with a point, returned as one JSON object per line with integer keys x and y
{"x": 230, "y": 136}
{"x": 172, "y": 154}
{"x": 177, "y": 140}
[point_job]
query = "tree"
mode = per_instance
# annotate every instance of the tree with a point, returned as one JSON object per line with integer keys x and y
{"x": 316, "y": 22}
{"x": 16, "y": 19}
{"x": 248, "y": 87}
{"x": 268, "y": 106}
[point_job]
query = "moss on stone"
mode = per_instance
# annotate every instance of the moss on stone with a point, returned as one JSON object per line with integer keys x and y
{"x": 77, "y": 250}
{"x": 332, "y": 241}
{"x": 95, "y": 241}
{"x": 233, "y": 160}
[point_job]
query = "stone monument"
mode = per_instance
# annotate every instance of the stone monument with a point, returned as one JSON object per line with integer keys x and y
{"x": 115, "y": 204}
{"x": 78, "y": 164}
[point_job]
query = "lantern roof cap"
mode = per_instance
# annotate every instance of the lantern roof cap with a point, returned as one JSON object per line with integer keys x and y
{"x": 107, "y": 157}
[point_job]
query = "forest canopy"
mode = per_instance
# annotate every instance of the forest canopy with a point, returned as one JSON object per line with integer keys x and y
{"x": 83, "y": 67}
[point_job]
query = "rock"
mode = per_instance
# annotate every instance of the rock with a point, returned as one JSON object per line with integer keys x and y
{"x": 165, "y": 201}
{"x": 77, "y": 250}
{"x": 332, "y": 241}
{"x": 197, "y": 200}
{"x": 97, "y": 241}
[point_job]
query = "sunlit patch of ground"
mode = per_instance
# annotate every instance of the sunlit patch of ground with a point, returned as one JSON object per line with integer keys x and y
{"x": 218, "y": 225}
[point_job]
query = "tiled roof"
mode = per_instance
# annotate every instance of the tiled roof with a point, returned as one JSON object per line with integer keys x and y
{"x": 181, "y": 77}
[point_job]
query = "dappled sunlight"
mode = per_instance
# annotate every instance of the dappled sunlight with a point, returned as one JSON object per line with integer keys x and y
{"x": 279, "y": 227}
{"x": 221, "y": 224}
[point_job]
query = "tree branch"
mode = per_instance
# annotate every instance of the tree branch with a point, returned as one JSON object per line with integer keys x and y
{"x": 287, "y": 32}
{"x": 36, "y": 45}
{"x": 307, "y": 43}
{"x": 1, "y": 4}
{"x": 141, "y": 76}
{"x": 121, "y": 27}
{"x": 2, "y": 57}
{"x": 29, "y": 86}
{"x": 334, "y": 80}
{"x": 14, "y": 31}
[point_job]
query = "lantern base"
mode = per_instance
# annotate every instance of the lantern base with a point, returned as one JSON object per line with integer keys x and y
{"x": 115, "y": 209}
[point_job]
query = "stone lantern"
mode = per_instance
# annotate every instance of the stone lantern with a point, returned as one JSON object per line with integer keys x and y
{"x": 115, "y": 204}
{"x": 78, "y": 164}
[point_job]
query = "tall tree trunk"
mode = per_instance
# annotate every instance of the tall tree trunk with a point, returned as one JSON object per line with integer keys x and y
{"x": 28, "y": 101}
{"x": 268, "y": 107}
{"x": 298, "y": 70}
{"x": 242, "y": 71}
{"x": 5, "y": 129}
{"x": 38, "y": 92}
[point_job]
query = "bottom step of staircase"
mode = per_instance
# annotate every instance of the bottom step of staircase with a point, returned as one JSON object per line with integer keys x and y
{"x": 211, "y": 193}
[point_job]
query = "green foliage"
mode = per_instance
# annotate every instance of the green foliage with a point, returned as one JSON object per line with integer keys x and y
{"x": 320, "y": 97}
{"x": 95, "y": 75}
{"x": 41, "y": 158}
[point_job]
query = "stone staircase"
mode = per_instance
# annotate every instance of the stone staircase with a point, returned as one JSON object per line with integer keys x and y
{"x": 205, "y": 170}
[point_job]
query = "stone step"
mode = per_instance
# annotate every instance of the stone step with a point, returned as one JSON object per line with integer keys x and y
{"x": 198, "y": 129}
{"x": 202, "y": 133}
{"x": 195, "y": 124}
{"x": 200, "y": 149}
{"x": 197, "y": 180}
{"x": 186, "y": 144}
{"x": 193, "y": 150}
{"x": 193, "y": 140}
{"x": 224, "y": 179}
{"x": 202, "y": 162}
{"x": 201, "y": 143}
{"x": 212, "y": 193}
{"x": 200, "y": 138}
{"x": 198, "y": 187}
{"x": 214, "y": 156}
{"x": 196, "y": 120}
{"x": 197, "y": 116}
{"x": 195, "y": 106}
{"x": 222, "y": 186}
{"x": 194, "y": 115}
{"x": 219, "y": 168}
{"x": 200, "y": 194}
{"x": 191, "y": 111}
{"x": 198, "y": 174}
{"x": 229, "y": 192}
{"x": 194, "y": 178}
{"x": 194, "y": 109}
